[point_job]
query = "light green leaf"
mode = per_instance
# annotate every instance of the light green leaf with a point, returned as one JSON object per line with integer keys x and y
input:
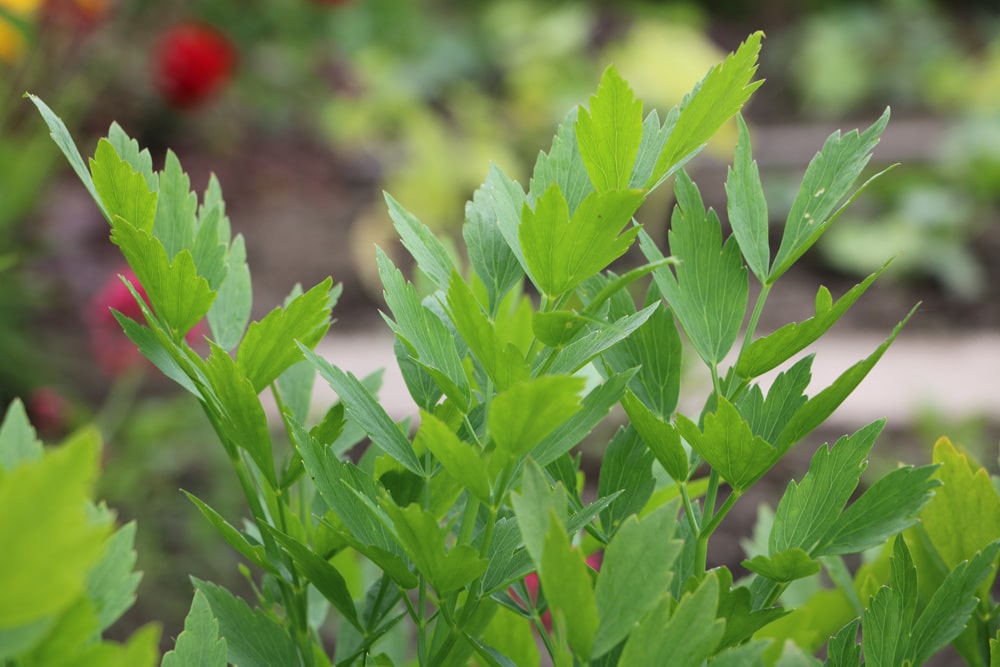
{"x": 783, "y": 566}
{"x": 431, "y": 255}
{"x": 828, "y": 179}
{"x": 660, "y": 437}
{"x": 460, "y": 459}
{"x": 654, "y": 138}
{"x": 49, "y": 543}
{"x": 208, "y": 251}
{"x": 230, "y": 312}
{"x": 635, "y": 573}
{"x": 176, "y": 208}
{"x": 534, "y": 506}
{"x": 770, "y": 351}
{"x": 124, "y": 192}
{"x": 563, "y": 250}
{"x": 679, "y": 635}
{"x": 112, "y": 583}
{"x": 254, "y": 638}
{"x": 128, "y": 150}
{"x": 18, "y": 442}
{"x": 716, "y": 99}
{"x": 729, "y": 446}
{"x": 424, "y": 541}
{"x": 603, "y": 337}
{"x": 179, "y": 296}
{"x": 562, "y": 166}
{"x": 491, "y": 255}
{"x": 200, "y": 644}
{"x": 566, "y": 582}
{"x": 364, "y": 409}
{"x": 521, "y": 417}
{"x": 511, "y": 634}
{"x": 272, "y": 344}
{"x": 747, "y": 207}
{"x": 159, "y": 349}
{"x": 709, "y": 292}
{"x": 608, "y": 134}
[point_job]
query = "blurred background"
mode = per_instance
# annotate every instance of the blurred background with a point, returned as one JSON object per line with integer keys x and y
{"x": 306, "y": 110}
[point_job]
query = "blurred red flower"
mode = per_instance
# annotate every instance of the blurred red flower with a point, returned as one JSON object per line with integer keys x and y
{"x": 192, "y": 61}
{"x": 48, "y": 411}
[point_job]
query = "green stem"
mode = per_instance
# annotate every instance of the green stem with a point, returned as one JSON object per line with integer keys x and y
{"x": 758, "y": 308}
{"x": 717, "y": 518}
{"x": 711, "y": 493}
{"x": 689, "y": 509}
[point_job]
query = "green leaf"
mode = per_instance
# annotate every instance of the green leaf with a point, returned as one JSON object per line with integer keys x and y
{"x": 208, "y": 249}
{"x": 363, "y": 408}
{"x": 179, "y": 296}
{"x": 254, "y": 638}
{"x": 426, "y": 336}
{"x": 736, "y": 607}
{"x": 716, "y": 99}
{"x": 521, "y": 417}
{"x": 18, "y": 442}
{"x": 627, "y": 467}
{"x": 563, "y": 250}
{"x": 828, "y": 179}
{"x": 822, "y": 405}
{"x": 843, "y": 649}
{"x": 242, "y": 416}
{"x": 660, "y": 437}
{"x": 807, "y": 510}
{"x": 654, "y": 138}
{"x": 608, "y": 134}
{"x": 562, "y": 166}
{"x": 160, "y": 351}
{"x": 460, "y": 459}
{"x": 49, "y": 542}
{"x": 230, "y": 311}
{"x": 566, "y": 582}
{"x": 128, "y": 150}
{"x": 767, "y": 417}
{"x": 253, "y": 552}
{"x": 321, "y": 574}
{"x": 635, "y": 574}
{"x": 60, "y": 134}
{"x": 774, "y": 349}
{"x": 586, "y": 348}
{"x": 709, "y": 292}
{"x": 964, "y": 516}
{"x": 496, "y": 208}
{"x": 784, "y": 566}
{"x": 729, "y": 446}
{"x": 502, "y": 360}
{"x": 200, "y": 644}
{"x": 511, "y": 634}
{"x": 124, "y": 192}
{"x": 112, "y": 583}
{"x": 679, "y": 635}
{"x": 534, "y": 507}
{"x": 431, "y": 255}
{"x": 890, "y": 506}
{"x": 747, "y": 207}
{"x": 176, "y": 208}
{"x": 273, "y": 344}
{"x": 424, "y": 541}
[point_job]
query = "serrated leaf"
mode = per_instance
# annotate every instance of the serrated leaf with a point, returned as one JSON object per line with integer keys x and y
{"x": 660, "y": 437}
{"x": 679, "y": 635}
{"x": 431, "y": 255}
{"x": 566, "y": 582}
{"x": 708, "y": 289}
{"x": 635, "y": 573}
{"x": 254, "y": 638}
{"x": 128, "y": 150}
{"x": 124, "y": 192}
{"x": 783, "y": 566}
{"x": 364, "y": 409}
{"x": 208, "y": 251}
{"x": 446, "y": 569}
{"x": 747, "y": 207}
{"x": 180, "y": 297}
{"x": 460, "y": 459}
{"x": 767, "y": 416}
{"x": 230, "y": 312}
{"x": 199, "y": 645}
{"x": 889, "y": 506}
{"x": 18, "y": 442}
{"x": 822, "y": 405}
{"x": 589, "y": 346}
{"x": 608, "y": 134}
{"x": 627, "y": 467}
{"x": 273, "y": 344}
{"x": 716, "y": 99}
{"x": 176, "y": 208}
{"x": 843, "y": 649}
{"x": 563, "y": 249}
{"x": 729, "y": 446}
{"x": 490, "y": 254}
{"x": 112, "y": 583}
{"x": 253, "y": 552}
{"x": 772, "y": 350}
{"x": 743, "y": 621}
{"x": 49, "y": 543}
{"x": 521, "y": 417}
{"x": 563, "y": 166}
{"x": 828, "y": 179}
{"x": 808, "y": 509}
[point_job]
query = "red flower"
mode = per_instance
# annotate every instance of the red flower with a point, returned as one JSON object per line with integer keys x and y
{"x": 192, "y": 62}
{"x": 48, "y": 411}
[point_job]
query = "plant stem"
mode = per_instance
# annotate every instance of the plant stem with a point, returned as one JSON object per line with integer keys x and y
{"x": 758, "y": 308}
{"x": 689, "y": 509}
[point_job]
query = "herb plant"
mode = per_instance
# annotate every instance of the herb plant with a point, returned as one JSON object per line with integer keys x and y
{"x": 513, "y": 356}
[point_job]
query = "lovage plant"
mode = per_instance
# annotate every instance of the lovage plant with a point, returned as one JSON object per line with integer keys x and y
{"x": 517, "y": 351}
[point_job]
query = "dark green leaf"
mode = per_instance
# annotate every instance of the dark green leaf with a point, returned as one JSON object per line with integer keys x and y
{"x": 843, "y": 649}
{"x": 627, "y": 467}
{"x": 660, "y": 437}
{"x": 586, "y": 348}
{"x": 490, "y": 254}
{"x": 767, "y": 418}
{"x": 253, "y": 552}
{"x": 747, "y": 207}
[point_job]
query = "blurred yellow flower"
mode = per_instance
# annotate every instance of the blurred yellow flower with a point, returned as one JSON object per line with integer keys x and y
{"x": 22, "y": 7}
{"x": 11, "y": 42}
